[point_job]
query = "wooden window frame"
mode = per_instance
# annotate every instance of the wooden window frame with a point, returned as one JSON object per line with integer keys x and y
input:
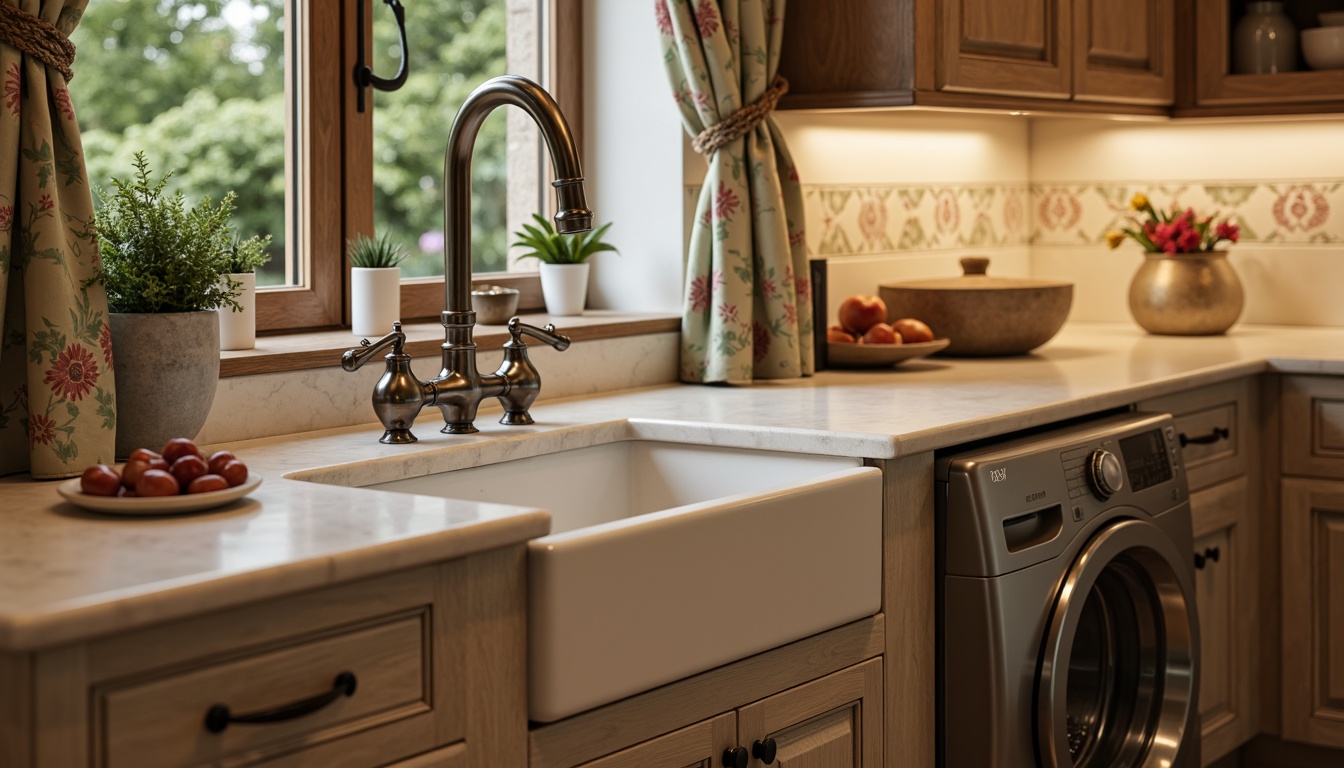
{"x": 335, "y": 172}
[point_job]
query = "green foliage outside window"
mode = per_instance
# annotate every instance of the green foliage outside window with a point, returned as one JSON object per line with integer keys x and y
{"x": 200, "y": 84}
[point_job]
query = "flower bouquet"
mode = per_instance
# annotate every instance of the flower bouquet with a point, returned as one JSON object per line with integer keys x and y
{"x": 1174, "y": 230}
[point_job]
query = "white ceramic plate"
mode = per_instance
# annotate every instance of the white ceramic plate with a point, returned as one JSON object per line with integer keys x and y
{"x": 842, "y": 355}
{"x": 156, "y": 505}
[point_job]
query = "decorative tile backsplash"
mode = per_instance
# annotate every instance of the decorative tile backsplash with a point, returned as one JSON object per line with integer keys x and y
{"x": 1299, "y": 213}
{"x": 844, "y": 220}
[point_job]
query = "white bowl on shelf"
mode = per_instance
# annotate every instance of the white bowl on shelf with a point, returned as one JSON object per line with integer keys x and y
{"x": 1323, "y": 47}
{"x": 1331, "y": 18}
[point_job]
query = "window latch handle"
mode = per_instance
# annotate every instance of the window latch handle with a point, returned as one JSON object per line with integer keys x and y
{"x": 364, "y": 77}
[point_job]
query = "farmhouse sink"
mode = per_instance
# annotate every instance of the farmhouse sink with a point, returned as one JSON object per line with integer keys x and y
{"x": 667, "y": 559}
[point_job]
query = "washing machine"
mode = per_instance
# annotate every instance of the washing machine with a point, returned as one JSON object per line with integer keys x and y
{"x": 1066, "y": 604}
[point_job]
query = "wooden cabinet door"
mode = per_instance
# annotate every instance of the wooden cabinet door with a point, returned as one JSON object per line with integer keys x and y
{"x": 696, "y": 746}
{"x": 1227, "y": 601}
{"x": 1312, "y": 520}
{"x": 831, "y": 722}
{"x": 1124, "y": 52}
{"x": 1006, "y": 47}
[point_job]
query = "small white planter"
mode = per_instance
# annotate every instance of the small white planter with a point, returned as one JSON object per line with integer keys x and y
{"x": 375, "y": 300}
{"x": 238, "y": 329}
{"x": 565, "y": 288}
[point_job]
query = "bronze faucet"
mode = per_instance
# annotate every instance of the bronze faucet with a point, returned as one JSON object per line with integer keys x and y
{"x": 460, "y": 387}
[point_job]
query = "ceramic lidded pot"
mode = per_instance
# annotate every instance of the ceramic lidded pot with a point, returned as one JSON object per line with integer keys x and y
{"x": 982, "y": 315}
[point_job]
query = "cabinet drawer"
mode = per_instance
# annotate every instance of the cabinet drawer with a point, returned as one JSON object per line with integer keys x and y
{"x": 1313, "y": 426}
{"x": 162, "y": 722}
{"x": 1210, "y": 422}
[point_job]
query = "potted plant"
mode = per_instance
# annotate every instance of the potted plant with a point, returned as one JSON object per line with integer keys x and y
{"x": 1185, "y": 286}
{"x": 161, "y": 263}
{"x": 564, "y": 262}
{"x": 238, "y": 324}
{"x": 375, "y": 284}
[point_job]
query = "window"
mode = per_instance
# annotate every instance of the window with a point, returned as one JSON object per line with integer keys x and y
{"x": 257, "y": 96}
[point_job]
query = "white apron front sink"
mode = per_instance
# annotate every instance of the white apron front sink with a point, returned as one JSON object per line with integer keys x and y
{"x": 666, "y": 560}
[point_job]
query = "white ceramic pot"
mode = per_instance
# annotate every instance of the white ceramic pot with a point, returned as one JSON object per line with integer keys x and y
{"x": 167, "y": 367}
{"x": 238, "y": 328}
{"x": 565, "y": 288}
{"x": 375, "y": 300}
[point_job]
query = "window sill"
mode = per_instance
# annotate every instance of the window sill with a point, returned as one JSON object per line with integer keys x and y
{"x": 321, "y": 349}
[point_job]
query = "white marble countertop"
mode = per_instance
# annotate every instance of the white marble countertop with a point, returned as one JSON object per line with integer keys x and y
{"x": 66, "y": 575}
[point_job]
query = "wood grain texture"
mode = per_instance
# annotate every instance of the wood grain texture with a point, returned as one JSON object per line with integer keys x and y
{"x": 1267, "y": 416}
{"x": 636, "y": 719}
{"x": 908, "y": 585}
{"x": 1006, "y": 47}
{"x": 1124, "y": 52}
{"x": 1201, "y": 414}
{"x": 857, "y": 52}
{"x": 1313, "y": 611}
{"x": 454, "y": 756}
{"x": 16, "y": 710}
{"x": 1271, "y": 752}
{"x": 61, "y": 735}
{"x": 695, "y": 746}
{"x": 833, "y": 721}
{"x": 1313, "y": 426}
{"x": 495, "y": 681}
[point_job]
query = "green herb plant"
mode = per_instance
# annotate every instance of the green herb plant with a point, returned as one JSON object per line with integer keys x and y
{"x": 551, "y": 247}
{"x": 246, "y": 256}
{"x": 158, "y": 255}
{"x": 365, "y": 252}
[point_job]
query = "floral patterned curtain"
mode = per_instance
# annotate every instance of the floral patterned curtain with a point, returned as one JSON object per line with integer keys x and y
{"x": 57, "y": 406}
{"x": 747, "y": 310}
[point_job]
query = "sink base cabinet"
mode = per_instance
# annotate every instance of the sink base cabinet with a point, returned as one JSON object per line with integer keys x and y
{"x": 435, "y": 654}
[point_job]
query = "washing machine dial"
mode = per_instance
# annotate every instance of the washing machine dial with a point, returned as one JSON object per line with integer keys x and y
{"x": 1106, "y": 473}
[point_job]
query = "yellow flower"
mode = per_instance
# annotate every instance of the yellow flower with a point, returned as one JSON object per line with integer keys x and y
{"x": 1138, "y": 202}
{"x": 1114, "y": 239}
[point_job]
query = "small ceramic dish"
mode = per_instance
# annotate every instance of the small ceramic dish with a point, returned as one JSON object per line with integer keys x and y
{"x": 842, "y": 355}
{"x": 155, "y": 505}
{"x": 494, "y": 304}
{"x": 1323, "y": 47}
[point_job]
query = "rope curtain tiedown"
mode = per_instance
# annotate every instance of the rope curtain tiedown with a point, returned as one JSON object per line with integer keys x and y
{"x": 742, "y": 121}
{"x": 38, "y": 39}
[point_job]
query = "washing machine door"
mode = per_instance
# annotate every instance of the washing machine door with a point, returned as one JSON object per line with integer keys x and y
{"x": 1117, "y": 680}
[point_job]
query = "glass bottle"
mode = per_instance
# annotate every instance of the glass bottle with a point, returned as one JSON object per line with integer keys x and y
{"x": 1264, "y": 41}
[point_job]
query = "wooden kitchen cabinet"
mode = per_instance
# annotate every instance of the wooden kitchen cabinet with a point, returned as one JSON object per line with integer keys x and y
{"x": 1216, "y": 90}
{"x": 436, "y": 654}
{"x": 1312, "y": 559}
{"x": 1215, "y": 427}
{"x": 1063, "y": 55}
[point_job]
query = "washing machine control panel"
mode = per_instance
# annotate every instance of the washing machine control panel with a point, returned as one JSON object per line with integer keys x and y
{"x": 1105, "y": 473}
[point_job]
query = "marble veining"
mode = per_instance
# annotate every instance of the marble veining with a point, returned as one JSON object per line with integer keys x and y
{"x": 67, "y": 575}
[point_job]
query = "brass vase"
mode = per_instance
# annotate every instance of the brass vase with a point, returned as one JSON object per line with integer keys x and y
{"x": 1186, "y": 294}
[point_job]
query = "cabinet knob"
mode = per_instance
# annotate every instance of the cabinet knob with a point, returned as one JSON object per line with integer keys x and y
{"x": 764, "y": 750}
{"x": 1209, "y": 554}
{"x": 736, "y": 757}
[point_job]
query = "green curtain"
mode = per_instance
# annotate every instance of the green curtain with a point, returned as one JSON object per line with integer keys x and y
{"x": 57, "y": 402}
{"x": 747, "y": 308}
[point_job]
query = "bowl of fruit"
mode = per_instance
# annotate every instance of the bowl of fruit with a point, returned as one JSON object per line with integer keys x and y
{"x": 178, "y": 478}
{"x": 864, "y": 339}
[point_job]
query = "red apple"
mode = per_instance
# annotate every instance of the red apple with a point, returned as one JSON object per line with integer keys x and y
{"x": 881, "y": 334}
{"x": 913, "y": 331}
{"x": 859, "y": 313}
{"x": 836, "y": 333}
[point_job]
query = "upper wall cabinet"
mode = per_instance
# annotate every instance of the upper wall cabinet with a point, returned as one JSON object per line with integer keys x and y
{"x": 1216, "y": 90}
{"x": 1056, "y": 55}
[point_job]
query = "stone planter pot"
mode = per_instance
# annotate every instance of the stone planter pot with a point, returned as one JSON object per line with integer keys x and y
{"x": 565, "y": 288}
{"x": 167, "y": 368}
{"x": 1186, "y": 294}
{"x": 375, "y": 300}
{"x": 238, "y": 330}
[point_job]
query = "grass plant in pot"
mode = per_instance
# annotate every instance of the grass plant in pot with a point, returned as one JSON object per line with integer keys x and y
{"x": 375, "y": 284}
{"x": 161, "y": 263}
{"x": 238, "y": 324}
{"x": 564, "y": 263}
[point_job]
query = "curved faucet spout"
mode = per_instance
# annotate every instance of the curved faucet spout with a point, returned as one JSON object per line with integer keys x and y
{"x": 573, "y": 215}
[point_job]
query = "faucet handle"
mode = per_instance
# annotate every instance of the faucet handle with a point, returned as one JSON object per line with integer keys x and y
{"x": 354, "y": 358}
{"x": 517, "y": 328}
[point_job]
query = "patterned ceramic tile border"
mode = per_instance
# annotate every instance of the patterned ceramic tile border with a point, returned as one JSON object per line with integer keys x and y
{"x": 1309, "y": 213}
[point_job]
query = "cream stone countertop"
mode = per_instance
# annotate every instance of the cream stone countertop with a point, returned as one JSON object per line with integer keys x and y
{"x": 66, "y": 574}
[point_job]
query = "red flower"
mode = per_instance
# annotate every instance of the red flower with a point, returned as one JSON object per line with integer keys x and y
{"x": 802, "y": 287}
{"x": 768, "y": 288}
{"x": 41, "y": 430}
{"x": 760, "y": 341}
{"x": 63, "y": 103}
{"x": 790, "y": 314}
{"x": 701, "y": 294}
{"x": 706, "y": 18}
{"x": 46, "y": 202}
{"x": 6, "y": 217}
{"x": 12, "y": 89}
{"x": 105, "y": 341}
{"x": 1228, "y": 231}
{"x": 727, "y": 312}
{"x": 725, "y": 202}
{"x": 74, "y": 373}
{"x": 662, "y": 17}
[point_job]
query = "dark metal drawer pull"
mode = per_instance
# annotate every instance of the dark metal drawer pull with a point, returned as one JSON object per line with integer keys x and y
{"x": 1210, "y": 553}
{"x": 1218, "y": 433}
{"x": 218, "y": 717}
